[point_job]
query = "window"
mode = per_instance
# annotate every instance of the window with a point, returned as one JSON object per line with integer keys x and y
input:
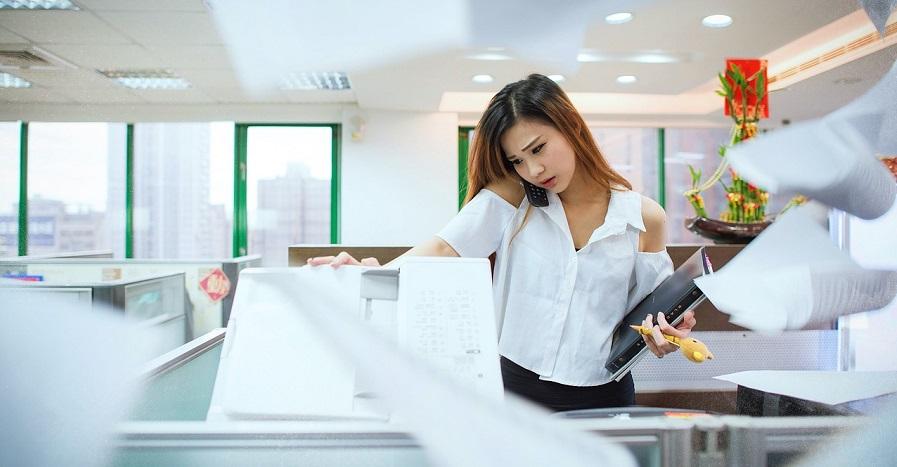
{"x": 289, "y": 186}
{"x": 183, "y": 190}
{"x": 632, "y": 152}
{"x": 9, "y": 189}
{"x": 76, "y": 179}
{"x": 698, "y": 147}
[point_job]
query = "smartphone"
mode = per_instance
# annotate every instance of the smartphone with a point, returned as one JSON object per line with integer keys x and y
{"x": 536, "y": 196}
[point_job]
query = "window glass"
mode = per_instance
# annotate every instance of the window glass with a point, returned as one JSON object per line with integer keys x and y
{"x": 9, "y": 189}
{"x": 288, "y": 189}
{"x": 632, "y": 152}
{"x": 183, "y": 190}
{"x": 76, "y": 175}
{"x": 698, "y": 147}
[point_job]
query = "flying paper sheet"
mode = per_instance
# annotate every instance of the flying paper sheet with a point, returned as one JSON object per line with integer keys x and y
{"x": 456, "y": 425}
{"x": 293, "y": 36}
{"x": 68, "y": 374}
{"x": 872, "y": 444}
{"x": 792, "y": 275}
{"x": 826, "y": 387}
{"x": 831, "y": 159}
{"x": 879, "y": 11}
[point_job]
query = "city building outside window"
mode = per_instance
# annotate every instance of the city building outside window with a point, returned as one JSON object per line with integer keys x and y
{"x": 288, "y": 177}
{"x": 76, "y": 181}
{"x": 183, "y": 190}
{"x": 9, "y": 189}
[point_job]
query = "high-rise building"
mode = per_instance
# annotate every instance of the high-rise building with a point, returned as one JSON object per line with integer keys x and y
{"x": 172, "y": 211}
{"x": 294, "y": 208}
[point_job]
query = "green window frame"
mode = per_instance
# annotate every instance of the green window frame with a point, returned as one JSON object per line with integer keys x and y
{"x": 240, "y": 227}
{"x": 241, "y": 219}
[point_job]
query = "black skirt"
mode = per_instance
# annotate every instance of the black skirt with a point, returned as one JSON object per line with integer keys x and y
{"x": 559, "y": 397}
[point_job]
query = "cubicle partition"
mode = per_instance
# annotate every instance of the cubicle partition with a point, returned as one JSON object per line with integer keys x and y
{"x": 157, "y": 302}
{"x": 168, "y": 427}
{"x": 63, "y": 255}
{"x": 209, "y": 283}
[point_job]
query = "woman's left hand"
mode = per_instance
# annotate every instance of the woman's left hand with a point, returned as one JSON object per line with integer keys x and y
{"x": 656, "y": 342}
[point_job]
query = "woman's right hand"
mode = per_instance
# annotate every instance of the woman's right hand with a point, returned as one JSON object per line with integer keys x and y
{"x": 341, "y": 259}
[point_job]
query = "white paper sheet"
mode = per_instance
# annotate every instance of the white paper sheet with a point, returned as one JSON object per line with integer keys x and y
{"x": 456, "y": 424}
{"x": 879, "y": 11}
{"x": 827, "y": 387}
{"x": 792, "y": 275}
{"x": 274, "y": 364}
{"x": 872, "y": 444}
{"x": 67, "y": 376}
{"x": 290, "y": 36}
{"x": 446, "y": 317}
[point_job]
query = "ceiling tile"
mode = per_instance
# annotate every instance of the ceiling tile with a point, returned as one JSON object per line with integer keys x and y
{"x": 115, "y": 95}
{"x": 66, "y": 79}
{"x": 191, "y": 56}
{"x": 33, "y": 95}
{"x": 142, "y": 5}
{"x": 237, "y": 95}
{"x": 8, "y": 37}
{"x": 221, "y": 78}
{"x": 320, "y": 97}
{"x": 61, "y": 27}
{"x": 101, "y": 57}
{"x": 174, "y": 96}
{"x": 153, "y": 28}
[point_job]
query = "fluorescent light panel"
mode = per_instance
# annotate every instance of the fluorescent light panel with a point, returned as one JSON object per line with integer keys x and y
{"x": 37, "y": 5}
{"x": 147, "y": 79}
{"x": 11, "y": 81}
{"x": 316, "y": 81}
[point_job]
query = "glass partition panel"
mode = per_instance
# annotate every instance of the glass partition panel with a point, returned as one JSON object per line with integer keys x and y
{"x": 632, "y": 152}
{"x": 698, "y": 147}
{"x": 9, "y": 189}
{"x": 76, "y": 187}
{"x": 183, "y": 190}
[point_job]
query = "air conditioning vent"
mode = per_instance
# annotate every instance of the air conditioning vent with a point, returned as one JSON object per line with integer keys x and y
{"x": 31, "y": 58}
{"x": 857, "y": 44}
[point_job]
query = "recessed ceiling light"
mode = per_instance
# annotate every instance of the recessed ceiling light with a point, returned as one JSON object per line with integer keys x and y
{"x": 717, "y": 21}
{"x": 626, "y": 79}
{"x": 482, "y": 79}
{"x": 11, "y": 81}
{"x": 316, "y": 81}
{"x": 618, "y": 18}
{"x": 37, "y": 5}
{"x": 557, "y": 78}
{"x": 147, "y": 79}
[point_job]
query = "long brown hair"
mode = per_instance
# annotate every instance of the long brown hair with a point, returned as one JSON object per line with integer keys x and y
{"x": 535, "y": 98}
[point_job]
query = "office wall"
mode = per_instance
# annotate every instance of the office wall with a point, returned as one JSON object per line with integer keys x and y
{"x": 399, "y": 181}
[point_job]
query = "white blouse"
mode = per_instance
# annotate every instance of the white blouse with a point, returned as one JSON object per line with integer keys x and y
{"x": 556, "y": 307}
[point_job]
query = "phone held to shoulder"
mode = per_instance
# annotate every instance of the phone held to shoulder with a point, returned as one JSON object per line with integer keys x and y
{"x": 536, "y": 196}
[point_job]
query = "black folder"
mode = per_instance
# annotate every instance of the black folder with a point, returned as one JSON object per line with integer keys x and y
{"x": 674, "y": 296}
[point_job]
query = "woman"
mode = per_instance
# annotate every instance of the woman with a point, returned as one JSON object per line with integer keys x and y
{"x": 567, "y": 272}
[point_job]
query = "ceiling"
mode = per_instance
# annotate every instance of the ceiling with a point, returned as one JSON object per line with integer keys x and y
{"x": 184, "y": 37}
